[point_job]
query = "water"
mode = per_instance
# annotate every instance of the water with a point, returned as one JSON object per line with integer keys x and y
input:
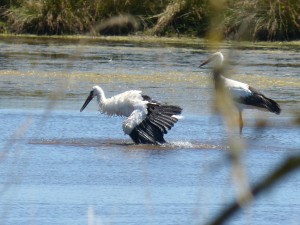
{"x": 60, "y": 166}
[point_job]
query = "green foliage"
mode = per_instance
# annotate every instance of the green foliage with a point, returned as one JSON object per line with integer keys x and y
{"x": 52, "y": 16}
{"x": 7, "y": 3}
{"x": 263, "y": 19}
{"x": 242, "y": 19}
{"x": 74, "y": 16}
{"x": 134, "y": 7}
{"x": 144, "y": 11}
{"x": 194, "y": 18}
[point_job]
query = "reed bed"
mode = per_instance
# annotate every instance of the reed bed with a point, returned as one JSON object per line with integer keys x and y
{"x": 242, "y": 19}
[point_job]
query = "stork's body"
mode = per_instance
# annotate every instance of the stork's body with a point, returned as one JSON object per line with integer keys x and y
{"x": 147, "y": 120}
{"x": 244, "y": 96}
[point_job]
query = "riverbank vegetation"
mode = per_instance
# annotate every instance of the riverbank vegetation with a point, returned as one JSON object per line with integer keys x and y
{"x": 240, "y": 19}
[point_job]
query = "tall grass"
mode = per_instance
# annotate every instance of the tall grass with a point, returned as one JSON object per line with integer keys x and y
{"x": 126, "y": 16}
{"x": 263, "y": 19}
{"x": 193, "y": 19}
{"x": 73, "y": 17}
{"x": 52, "y": 16}
{"x": 243, "y": 19}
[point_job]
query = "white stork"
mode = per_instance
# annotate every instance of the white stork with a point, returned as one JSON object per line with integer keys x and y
{"x": 147, "y": 121}
{"x": 244, "y": 96}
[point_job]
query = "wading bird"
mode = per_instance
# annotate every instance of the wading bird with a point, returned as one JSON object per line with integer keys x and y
{"x": 147, "y": 121}
{"x": 244, "y": 96}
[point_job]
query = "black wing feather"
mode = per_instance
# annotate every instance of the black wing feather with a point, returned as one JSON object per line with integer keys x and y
{"x": 158, "y": 122}
{"x": 261, "y": 101}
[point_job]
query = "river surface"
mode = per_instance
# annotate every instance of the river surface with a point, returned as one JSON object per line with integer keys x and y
{"x": 60, "y": 166}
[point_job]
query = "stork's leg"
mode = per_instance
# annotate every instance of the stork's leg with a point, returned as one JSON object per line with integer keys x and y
{"x": 241, "y": 121}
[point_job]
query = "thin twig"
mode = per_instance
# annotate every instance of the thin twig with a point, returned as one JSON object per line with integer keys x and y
{"x": 290, "y": 165}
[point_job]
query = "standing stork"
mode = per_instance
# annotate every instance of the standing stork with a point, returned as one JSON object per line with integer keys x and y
{"x": 147, "y": 121}
{"x": 244, "y": 96}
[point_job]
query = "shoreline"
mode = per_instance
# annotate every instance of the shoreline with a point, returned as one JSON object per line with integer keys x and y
{"x": 144, "y": 39}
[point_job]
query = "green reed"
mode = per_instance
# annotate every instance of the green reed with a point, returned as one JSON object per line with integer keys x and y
{"x": 265, "y": 20}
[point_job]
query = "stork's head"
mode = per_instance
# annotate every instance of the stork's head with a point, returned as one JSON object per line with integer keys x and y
{"x": 217, "y": 59}
{"x": 92, "y": 94}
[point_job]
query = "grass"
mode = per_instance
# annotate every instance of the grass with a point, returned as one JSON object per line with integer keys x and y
{"x": 73, "y": 17}
{"x": 263, "y": 19}
{"x": 51, "y": 17}
{"x": 242, "y": 19}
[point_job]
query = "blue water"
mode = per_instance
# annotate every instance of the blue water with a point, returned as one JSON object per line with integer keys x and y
{"x": 60, "y": 166}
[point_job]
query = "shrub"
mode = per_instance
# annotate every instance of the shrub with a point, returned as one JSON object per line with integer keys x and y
{"x": 51, "y": 16}
{"x": 263, "y": 19}
{"x": 194, "y": 18}
{"x": 243, "y": 19}
{"x": 75, "y": 16}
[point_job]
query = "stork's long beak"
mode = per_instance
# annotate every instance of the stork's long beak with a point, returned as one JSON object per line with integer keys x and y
{"x": 207, "y": 61}
{"x": 87, "y": 101}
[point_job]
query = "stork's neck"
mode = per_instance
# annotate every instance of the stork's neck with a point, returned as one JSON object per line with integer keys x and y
{"x": 100, "y": 96}
{"x": 219, "y": 79}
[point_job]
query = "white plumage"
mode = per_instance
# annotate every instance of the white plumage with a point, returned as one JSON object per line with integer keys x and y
{"x": 244, "y": 96}
{"x": 237, "y": 90}
{"x": 119, "y": 105}
{"x": 147, "y": 120}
